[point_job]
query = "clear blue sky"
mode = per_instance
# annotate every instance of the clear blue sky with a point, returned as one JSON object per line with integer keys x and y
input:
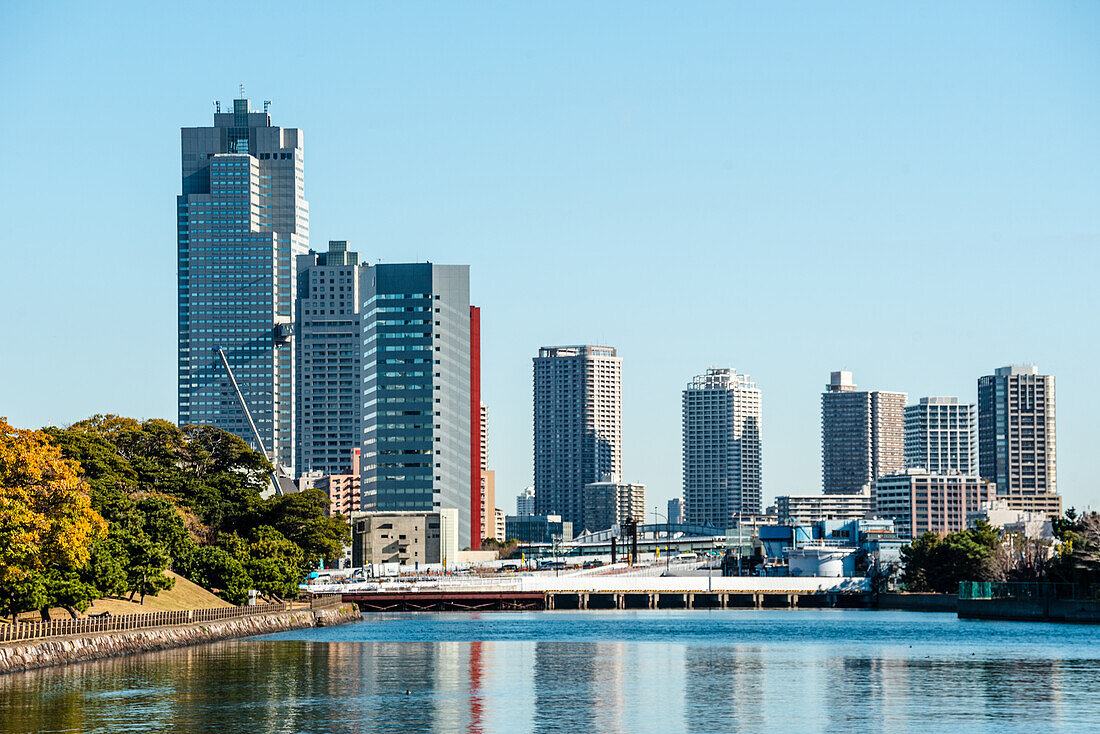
{"x": 907, "y": 190}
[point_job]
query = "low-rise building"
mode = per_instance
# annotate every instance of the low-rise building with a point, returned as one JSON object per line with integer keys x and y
{"x": 537, "y": 528}
{"x": 1000, "y": 514}
{"x": 804, "y": 509}
{"x": 342, "y": 489}
{"x": 406, "y": 538}
{"x": 604, "y": 504}
{"x": 919, "y": 502}
{"x": 498, "y": 523}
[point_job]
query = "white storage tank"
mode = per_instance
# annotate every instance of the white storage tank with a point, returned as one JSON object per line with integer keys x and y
{"x": 820, "y": 561}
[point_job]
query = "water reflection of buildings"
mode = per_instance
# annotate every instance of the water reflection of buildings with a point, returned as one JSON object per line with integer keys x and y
{"x": 564, "y": 675}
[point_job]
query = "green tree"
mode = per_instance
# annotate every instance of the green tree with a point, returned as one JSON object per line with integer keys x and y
{"x": 22, "y": 594}
{"x": 145, "y": 565}
{"x": 214, "y": 569}
{"x": 68, "y": 590}
{"x": 301, "y": 518}
{"x": 938, "y": 564}
{"x": 274, "y": 563}
{"x": 106, "y": 568}
{"x": 162, "y": 522}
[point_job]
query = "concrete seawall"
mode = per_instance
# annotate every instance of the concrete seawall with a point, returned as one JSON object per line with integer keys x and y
{"x": 1031, "y": 610}
{"x": 919, "y": 602}
{"x": 20, "y": 656}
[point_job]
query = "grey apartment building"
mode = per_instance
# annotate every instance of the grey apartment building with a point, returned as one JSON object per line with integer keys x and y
{"x": 721, "y": 447}
{"x": 416, "y": 381}
{"x": 329, "y": 365}
{"x": 577, "y": 425}
{"x": 940, "y": 436}
{"x": 242, "y": 219}
{"x": 862, "y": 435}
{"x": 1016, "y": 437}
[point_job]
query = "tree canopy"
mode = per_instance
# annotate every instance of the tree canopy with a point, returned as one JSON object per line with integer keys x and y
{"x": 105, "y": 506}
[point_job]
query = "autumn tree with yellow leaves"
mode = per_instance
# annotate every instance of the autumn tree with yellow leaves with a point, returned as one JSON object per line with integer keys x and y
{"x": 47, "y": 524}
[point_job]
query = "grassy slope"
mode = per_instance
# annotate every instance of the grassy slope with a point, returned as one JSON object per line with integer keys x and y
{"x": 184, "y": 595}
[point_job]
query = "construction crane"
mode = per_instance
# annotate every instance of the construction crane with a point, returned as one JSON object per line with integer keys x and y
{"x": 280, "y": 481}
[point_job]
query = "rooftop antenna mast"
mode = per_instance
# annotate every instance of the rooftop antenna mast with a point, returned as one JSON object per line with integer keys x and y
{"x": 242, "y": 90}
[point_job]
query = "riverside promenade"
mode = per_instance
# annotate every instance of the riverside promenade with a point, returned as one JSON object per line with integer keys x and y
{"x": 29, "y": 646}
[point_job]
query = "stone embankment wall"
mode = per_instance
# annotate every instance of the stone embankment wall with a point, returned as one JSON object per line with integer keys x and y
{"x": 919, "y": 602}
{"x": 19, "y": 656}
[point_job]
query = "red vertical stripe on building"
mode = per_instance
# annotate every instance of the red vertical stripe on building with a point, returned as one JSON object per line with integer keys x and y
{"x": 475, "y": 428}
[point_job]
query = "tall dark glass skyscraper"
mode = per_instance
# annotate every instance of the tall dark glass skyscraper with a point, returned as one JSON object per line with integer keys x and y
{"x": 416, "y": 367}
{"x": 242, "y": 218}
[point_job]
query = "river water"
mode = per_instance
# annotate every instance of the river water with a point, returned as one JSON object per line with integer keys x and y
{"x": 607, "y": 671}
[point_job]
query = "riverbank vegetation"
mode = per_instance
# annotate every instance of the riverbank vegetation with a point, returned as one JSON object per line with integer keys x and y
{"x": 104, "y": 507}
{"x": 938, "y": 563}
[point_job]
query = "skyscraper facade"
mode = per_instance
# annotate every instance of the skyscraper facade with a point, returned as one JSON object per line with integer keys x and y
{"x": 242, "y": 219}
{"x": 578, "y": 425}
{"x": 940, "y": 436}
{"x": 417, "y": 442}
{"x": 862, "y": 435}
{"x": 1016, "y": 437}
{"x": 721, "y": 447}
{"x": 329, "y": 365}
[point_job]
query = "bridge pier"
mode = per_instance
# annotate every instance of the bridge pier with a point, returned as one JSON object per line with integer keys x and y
{"x": 583, "y": 601}
{"x": 620, "y": 601}
{"x": 723, "y": 600}
{"x": 549, "y": 601}
{"x": 689, "y": 601}
{"x": 654, "y": 599}
{"x": 758, "y": 601}
{"x": 792, "y": 601}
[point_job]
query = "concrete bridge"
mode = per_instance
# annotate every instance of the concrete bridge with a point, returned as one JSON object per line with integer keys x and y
{"x": 602, "y": 592}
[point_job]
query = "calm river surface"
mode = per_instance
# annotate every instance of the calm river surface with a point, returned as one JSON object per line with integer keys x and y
{"x": 644, "y": 671}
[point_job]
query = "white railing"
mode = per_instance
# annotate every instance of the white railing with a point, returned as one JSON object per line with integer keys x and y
{"x": 629, "y": 583}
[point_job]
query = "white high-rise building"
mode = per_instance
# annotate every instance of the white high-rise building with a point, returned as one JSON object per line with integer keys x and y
{"x": 525, "y": 502}
{"x": 242, "y": 219}
{"x": 721, "y": 445}
{"x": 940, "y": 436}
{"x": 578, "y": 425}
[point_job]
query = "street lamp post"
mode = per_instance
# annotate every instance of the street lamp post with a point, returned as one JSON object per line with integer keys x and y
{"x": 668, "y": 534}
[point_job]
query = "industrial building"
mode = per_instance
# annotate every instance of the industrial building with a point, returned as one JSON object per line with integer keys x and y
{"x": 404, "y": 538}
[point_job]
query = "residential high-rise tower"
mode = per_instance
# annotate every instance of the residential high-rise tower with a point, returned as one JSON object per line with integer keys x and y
{"x": 242, "y": 219}
{"x": 721, "y": 447}
{"x": 862, "y": 435}
{"x": 940, "y": 435}
{"x": 1016, "y": 437}
{"x": 578, "y": 425}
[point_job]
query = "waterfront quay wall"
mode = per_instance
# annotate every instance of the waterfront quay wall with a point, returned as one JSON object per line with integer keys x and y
{"x": 42, "y": 653}
{"x": 1031, "y": 610}
{"x": 915, "y": 602}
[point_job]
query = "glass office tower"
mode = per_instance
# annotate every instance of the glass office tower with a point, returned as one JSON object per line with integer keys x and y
{"x": 242, "y": 219}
